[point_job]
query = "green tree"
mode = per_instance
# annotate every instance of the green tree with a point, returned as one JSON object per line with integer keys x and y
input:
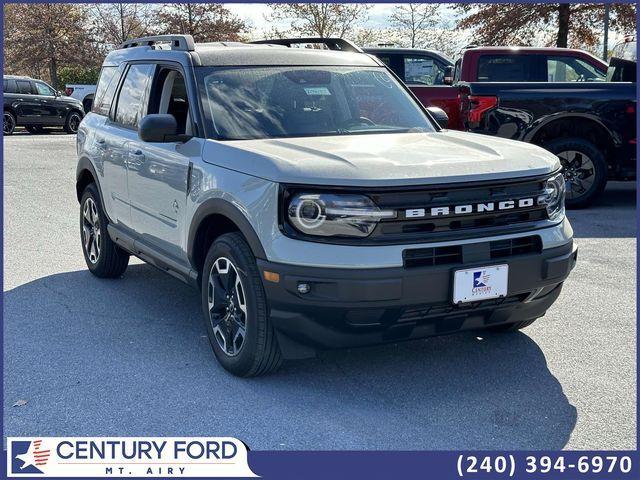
{"x": 414, "y": 20}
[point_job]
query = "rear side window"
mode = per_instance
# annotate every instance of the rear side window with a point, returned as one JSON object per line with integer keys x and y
{"x": 131, "y": 95}
{"x": 510, "y": 68}
{"x": 24, "y": 86}
{"x": 106, "y": 89}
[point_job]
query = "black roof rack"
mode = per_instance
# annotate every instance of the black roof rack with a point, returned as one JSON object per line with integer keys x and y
{"x": 339, "y": 44}
{"x": 178, "y": 42}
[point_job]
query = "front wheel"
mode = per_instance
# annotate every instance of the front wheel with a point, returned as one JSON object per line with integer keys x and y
{"x": 584, "y": 169}
{"x": 8, "y": 123}
{"x": 235, "y": 309}
{"x": 73, "y": 122}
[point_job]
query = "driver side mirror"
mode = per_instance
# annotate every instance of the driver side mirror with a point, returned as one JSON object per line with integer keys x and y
{"x": 440, "y": 116}
{"x": 448, "y": 76}
{"x": 160, "y": 128}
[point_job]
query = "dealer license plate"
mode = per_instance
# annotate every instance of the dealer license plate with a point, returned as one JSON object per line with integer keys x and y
{"x": 480, "y": 283}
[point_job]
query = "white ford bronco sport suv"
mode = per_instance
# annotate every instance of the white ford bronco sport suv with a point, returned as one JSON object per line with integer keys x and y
{"x": 313, "y": 201}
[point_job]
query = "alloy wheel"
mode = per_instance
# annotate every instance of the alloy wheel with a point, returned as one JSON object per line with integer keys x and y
{"x": 578, "y": 171}
{"x": 91, "y": 232}
{"x": 74, "y": 122}
{"x": 227, "y": 306}
{"x": 8, "y": 123}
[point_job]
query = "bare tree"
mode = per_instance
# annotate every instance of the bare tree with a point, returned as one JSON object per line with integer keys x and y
{"x": 319, "y": 19}
{"x": 204, "y": 21}
{"x": 559, "y": 24}
{"x": 115, "y": 23}
{"x": 414, "y": 20}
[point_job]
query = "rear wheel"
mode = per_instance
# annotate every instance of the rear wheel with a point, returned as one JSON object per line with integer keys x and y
{"x": 8, "y": 123}
{"x": 102, "y": 256}
{"x": 235, "y": 309}
{"x": 584, "y": 169}
{"x": 73, "y": 122}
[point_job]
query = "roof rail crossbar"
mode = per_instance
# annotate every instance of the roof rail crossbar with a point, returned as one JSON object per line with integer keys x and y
{"x": 178, "y": 42}
{"x": 339, "y": 44}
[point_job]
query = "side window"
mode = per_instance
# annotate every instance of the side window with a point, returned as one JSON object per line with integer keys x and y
{"x": 422, "y": 70}
{"x": 106, "y": 89}
{"x": 169, "y": 95}
{"x": 10, "y": 86}
{"x": 24, "y": 87}
{"x": 571, "y": 69}
{"x": 129, "y": 106}
{"x": 394, "y": 62}
{"x": 43, "y": 89}
{"x": 509, "y": 68}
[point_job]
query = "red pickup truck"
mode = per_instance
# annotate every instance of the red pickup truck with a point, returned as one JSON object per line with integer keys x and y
{"x": 485, "y": 64}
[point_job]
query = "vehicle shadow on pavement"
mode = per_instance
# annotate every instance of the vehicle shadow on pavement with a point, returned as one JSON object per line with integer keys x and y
{"x": 613, "y": 215}
{"x": 131, "y": 357}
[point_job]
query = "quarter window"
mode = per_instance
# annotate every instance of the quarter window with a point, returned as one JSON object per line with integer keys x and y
{"x": 131, "y": 95}
{"x": 106, "y": 89}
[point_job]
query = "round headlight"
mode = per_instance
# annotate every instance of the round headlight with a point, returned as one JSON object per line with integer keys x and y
{"x": 334, "y": 215}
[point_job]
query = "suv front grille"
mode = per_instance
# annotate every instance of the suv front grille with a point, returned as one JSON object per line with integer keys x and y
{"x": 406, "y": 229}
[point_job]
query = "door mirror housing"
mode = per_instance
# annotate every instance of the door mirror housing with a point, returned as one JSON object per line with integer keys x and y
{"x": 448, "y": 76}
{"x": 440, "y": 116}
{"x": 160, "y": 128}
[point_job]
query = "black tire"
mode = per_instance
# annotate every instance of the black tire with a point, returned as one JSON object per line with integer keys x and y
{"x": 87, "y": 103}
{"x": 258, "y": 353}
{"x": 511, "y": 327}
{"x": 34, "y": 129}
{"x": 72, "y": 122}
{"x": 8, "y": 123}
{"x": 103, "y": 257}
{"x": 584, "y": 168}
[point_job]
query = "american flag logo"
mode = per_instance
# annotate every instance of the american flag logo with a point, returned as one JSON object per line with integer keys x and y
{"x": 35, "y": 456}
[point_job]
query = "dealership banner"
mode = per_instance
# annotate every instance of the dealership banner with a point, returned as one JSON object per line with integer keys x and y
{"x": 127, "y": 456}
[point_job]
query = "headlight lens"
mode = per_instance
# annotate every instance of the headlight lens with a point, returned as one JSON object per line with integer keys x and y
{"x": 553, "y": 197}
{"x": 335, "y": 215}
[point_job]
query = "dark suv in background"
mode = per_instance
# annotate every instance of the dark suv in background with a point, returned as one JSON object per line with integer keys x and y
{"x": 34, "y": 104}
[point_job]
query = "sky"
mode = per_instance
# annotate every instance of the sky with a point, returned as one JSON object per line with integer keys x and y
{"x": 255, "y": 12}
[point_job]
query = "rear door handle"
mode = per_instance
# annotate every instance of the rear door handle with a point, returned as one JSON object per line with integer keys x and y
{"x": 139, "y": 154}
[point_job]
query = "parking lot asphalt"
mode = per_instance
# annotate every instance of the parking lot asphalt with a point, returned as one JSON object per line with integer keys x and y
{"x": 130, "y": 357}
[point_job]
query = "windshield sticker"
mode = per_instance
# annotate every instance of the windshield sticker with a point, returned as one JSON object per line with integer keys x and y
{"x": 317, "y": 91}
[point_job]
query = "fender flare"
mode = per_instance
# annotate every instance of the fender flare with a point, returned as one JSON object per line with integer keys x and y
{"x": 218, "y": 206}
{"x": 535, "y": 129}
{"x": 85, "y": 164}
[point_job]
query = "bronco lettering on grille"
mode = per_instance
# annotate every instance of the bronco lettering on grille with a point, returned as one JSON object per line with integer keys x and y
{"x": 467, "y": 209}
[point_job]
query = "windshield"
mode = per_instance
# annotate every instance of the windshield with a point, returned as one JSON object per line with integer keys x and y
{"x": 275, "y": 102}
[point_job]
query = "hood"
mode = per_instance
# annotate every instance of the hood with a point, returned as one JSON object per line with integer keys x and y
{"x": 69, "y": 99}
{"x": 383, "y": 160}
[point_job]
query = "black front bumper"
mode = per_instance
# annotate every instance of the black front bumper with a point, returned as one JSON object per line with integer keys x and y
{"x": 355, "y": 307}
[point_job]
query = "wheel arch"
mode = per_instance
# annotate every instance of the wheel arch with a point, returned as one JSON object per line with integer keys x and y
{"x": 583, "y": 126}
{"x": 86, "y": 174}
{"x": 212, "y": 219}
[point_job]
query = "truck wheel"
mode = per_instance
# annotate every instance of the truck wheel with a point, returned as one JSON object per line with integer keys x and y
{"x": 103, "y": 257}
{"x": 8, "y": 123}
{"x": 584, "y": 169}
{"x": 73, "y": 122}
{"x": 512, "y": 327}
{"x": 235, "y": 309}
